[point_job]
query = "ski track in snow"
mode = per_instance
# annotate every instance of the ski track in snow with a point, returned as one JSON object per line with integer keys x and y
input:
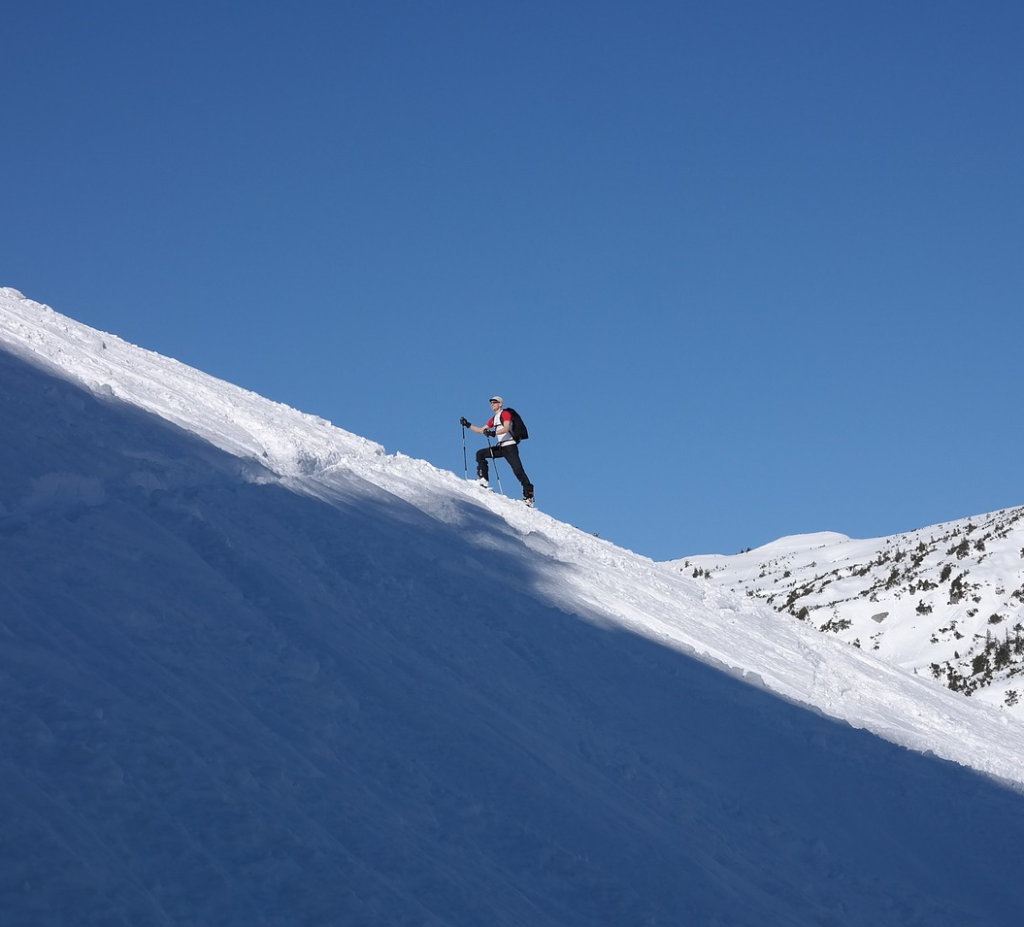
{"x": 187, "y": 736}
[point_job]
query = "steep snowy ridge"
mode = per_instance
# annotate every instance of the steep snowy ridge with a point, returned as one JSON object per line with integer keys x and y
{"x": 944, "y": 602}
{"x": 229, "y": 417}
{"x": 254, "y": 670}
{"x": 309, "y": 455}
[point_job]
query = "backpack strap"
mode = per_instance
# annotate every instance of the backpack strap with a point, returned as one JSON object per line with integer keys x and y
{"x": 512, "y": 414}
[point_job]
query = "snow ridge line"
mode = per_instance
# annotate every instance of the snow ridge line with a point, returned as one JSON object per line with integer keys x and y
{"x": 593, "y": 578}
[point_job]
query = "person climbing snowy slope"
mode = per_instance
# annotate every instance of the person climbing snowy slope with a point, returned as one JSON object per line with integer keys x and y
{"x": 500, "y": 427}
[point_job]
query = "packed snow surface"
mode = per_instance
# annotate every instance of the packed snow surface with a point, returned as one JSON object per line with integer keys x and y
{"x": 253, "y": 670}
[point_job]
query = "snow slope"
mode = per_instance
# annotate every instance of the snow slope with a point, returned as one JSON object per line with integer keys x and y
{"x": 944, "y": 602}
{"x": 255, "y": 671}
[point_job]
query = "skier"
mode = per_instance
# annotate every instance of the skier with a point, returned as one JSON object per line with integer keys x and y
{"x": 500, "y": 426}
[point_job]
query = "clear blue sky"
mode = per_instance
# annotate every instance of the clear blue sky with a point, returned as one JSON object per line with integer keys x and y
{"x": 747, "y": 269}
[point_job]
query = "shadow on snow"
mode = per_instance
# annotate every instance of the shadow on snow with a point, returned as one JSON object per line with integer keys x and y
{"x": 228, "y": 703}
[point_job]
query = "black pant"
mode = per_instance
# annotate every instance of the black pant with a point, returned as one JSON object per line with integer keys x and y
{"x": 511, "y": 453}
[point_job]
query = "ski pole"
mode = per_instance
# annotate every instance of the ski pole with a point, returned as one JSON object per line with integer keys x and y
{"x": 495, "y": 459}
{"x": 465, "y": 459}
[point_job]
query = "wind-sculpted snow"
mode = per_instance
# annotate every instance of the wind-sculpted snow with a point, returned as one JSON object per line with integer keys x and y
{"x": 231, "y": 418}
{"x": 255, "y": 671}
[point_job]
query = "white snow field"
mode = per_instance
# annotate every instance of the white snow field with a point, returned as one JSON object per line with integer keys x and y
{"x": 944, "y": 602}
{"x": 254, "y": 671}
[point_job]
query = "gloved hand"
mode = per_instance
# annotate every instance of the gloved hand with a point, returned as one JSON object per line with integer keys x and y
{"x": 464, "y": 422}
{"x": 490, "y": 432}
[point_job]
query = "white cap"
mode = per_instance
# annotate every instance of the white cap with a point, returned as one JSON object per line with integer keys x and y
{"x": 498, "y": 400}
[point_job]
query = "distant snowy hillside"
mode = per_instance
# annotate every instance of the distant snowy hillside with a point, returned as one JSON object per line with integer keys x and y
{"x": 945, "y": 602}
{"x": 254, "y": 671}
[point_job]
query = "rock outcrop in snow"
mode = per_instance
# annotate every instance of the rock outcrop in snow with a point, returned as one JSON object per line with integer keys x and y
{"x": 944, "y": 602}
